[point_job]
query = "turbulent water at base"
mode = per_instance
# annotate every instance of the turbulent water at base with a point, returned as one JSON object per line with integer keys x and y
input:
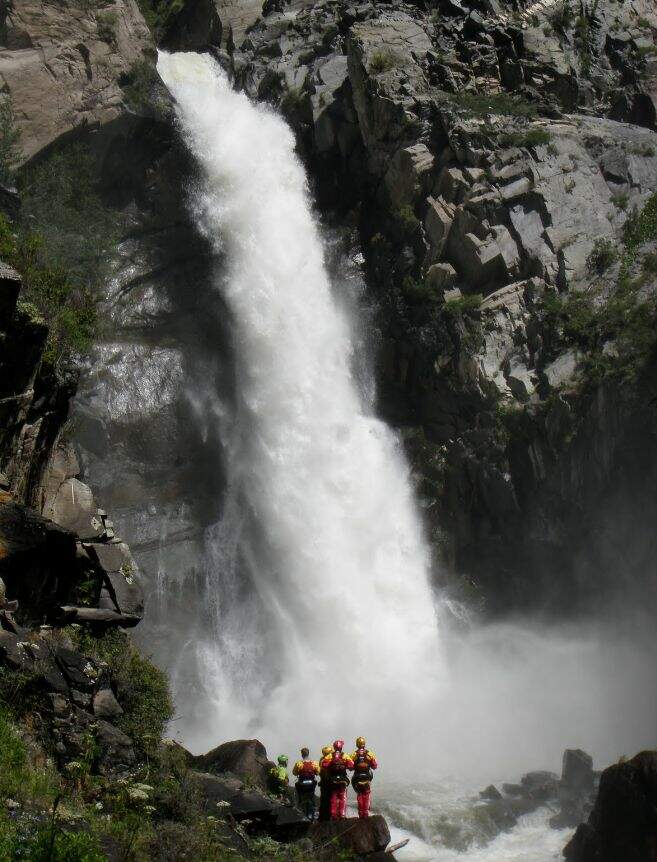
{"x": 318, "y": 618}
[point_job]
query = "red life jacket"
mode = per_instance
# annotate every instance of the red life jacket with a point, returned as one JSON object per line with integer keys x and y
{"x": 307, "y": 770}
{"x": 362, "y": 769}
{"x": 338, "y": 770}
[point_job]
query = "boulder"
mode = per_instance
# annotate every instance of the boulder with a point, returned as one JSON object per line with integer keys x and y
{"x": 122, "y": 588}
{"x": 116, "y": 749}
{"x": 105, "y": 705}
{"x": 244, "y": 758}
{"x": 490, "y": 792}
{"x": 623, "y": 823}
{"x": 577, "y": 771}
{"x": 352, "y": 835}
{"x": 38, "y": 560}
{"x": 406, "y": 174}
{"x": 541, "y": 785}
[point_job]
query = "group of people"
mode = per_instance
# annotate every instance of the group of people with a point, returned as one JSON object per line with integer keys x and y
{"x": 332, "y": 770}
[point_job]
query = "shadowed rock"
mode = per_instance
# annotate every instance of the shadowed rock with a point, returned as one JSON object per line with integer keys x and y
{"x": 245, "y": 758}
{"x": 623, "y": 823}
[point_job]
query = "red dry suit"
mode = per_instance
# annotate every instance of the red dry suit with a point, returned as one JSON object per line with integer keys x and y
{"x": 364, "y": 762}
{"x": 336, "y": 766}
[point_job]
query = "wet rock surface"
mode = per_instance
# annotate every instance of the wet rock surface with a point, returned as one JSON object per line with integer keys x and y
{"x": 623, "y": 823}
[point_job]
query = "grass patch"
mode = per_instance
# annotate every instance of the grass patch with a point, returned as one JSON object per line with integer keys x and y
{"x": 494, "y": 103}
{"x": 463, "y": 305}
{"x": 603, "y": 255}
{"x": 141, "y": 688}
{"x": 382, "y": 61}
{"x": 10, "y": 136}
{"x": 525, "y": 138}
{"x": 106, "y": 24}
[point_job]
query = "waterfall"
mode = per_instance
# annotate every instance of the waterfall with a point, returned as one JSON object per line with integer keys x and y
{"x": 321, "y": 619}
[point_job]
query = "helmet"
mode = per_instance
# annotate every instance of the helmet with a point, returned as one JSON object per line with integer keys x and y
{"x": 338, "y": 745}
{"x": 360, "y": 742}
{"x": 282, "y": 759}
{"x": 326, "y": 750}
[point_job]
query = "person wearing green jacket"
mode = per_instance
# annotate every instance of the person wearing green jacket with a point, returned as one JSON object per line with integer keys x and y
{"x": 278, "y": 777}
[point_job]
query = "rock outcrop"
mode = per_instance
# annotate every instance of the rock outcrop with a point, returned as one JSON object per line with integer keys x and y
{"x": 63, "y": 65}
{"x": 244, "y": 758}
{"x": 494, "y": 172}
{"x": 623, "y": 823}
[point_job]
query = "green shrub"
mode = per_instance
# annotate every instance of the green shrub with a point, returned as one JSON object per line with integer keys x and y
{"x": 405, "y": 223}
{"x": 419, "y": 291}
{"x": 13, "y": 758}
{"x": 158, "y": 14}
{"x": 137, "y": 83}
{"x": 525, "y": 138}
{"x": 620, "y": 200}
{"x": 382, "y": 61}
{"x": 641, "y": 226}
{"x": 106, "y": 24}
{"x": 650, "y": 263}
{"x": 463, "y": 304}
{"x": 494, "y": 103}
{"x": 10, "y": 136}
{"x": 69, "y": 309}
{"x": 603, "y": 255}
{"x": 141, "y": 688}
{"x": 562, "y": 16}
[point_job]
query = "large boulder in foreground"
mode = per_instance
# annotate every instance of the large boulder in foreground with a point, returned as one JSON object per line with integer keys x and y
{"x": 623, "y": 824}
{"x": 359, "y": 837}
{"x": 245, "y": 758}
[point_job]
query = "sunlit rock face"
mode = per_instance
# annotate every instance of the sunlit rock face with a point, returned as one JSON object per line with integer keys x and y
{"x": 62, "y": 64}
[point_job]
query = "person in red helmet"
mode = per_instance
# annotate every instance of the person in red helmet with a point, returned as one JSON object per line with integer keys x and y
{"x": 337, "y": 764}
{"x": 364, "y": 763}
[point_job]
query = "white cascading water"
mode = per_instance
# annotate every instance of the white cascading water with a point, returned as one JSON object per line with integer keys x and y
{"x": 337, "y": 625}
{"x": 319, "y": 618}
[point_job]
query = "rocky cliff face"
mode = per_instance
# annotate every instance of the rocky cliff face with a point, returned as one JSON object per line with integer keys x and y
{"x": 495, "y": 173}
{"x": 63, "y": 64}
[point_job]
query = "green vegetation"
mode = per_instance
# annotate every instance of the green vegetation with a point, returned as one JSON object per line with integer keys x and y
{"x": 603, "y": 255}
{"x": 106, "y": 23}
{"x": 525, "y": 138}
{"x": 158, "y": 14}
{"x": 49, "y": 294}
{"x": 405, "y": 223}
{"x": 505, "y": 104}
{"x": 9, "y": 141}
{"x": 419, "y": 292}
{"x": 61, "y": 246}
{"x": 466, "y": 304}
{"x": 382, "y": 61}
{"x": 142, "y": 688}
{"x": 620, "y": 200}
{"x": 641, "y": 227}
{"x": 137, "y": 83}
{"x": 561, "y": 17}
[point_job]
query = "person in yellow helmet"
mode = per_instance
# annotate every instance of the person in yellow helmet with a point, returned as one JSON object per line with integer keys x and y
{"x": 324, "y": 787}
{"x": 364, "y": 763}
{"x": 306, "y": 772}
